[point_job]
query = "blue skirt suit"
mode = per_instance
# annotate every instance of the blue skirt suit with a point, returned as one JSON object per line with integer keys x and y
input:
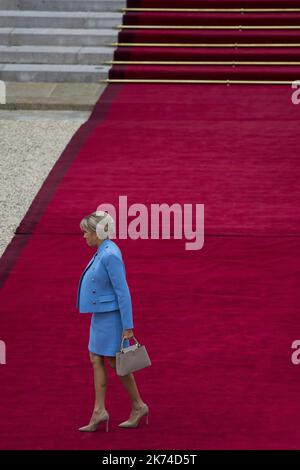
{"x": 104, "y": 292}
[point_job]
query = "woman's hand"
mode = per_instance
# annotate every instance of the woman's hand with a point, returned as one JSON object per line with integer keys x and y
{"x": 127, "y": 334}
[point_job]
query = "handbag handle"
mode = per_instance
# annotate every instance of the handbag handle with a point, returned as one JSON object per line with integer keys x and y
{"x": 123, "y": 339}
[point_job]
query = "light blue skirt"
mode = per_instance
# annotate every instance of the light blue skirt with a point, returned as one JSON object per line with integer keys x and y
{"x": 106, "y": 333}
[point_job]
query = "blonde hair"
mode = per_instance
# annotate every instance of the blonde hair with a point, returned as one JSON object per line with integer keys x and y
{"x": 100, "y": 222}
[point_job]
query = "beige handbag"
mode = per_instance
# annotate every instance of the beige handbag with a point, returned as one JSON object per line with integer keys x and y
{"x": 132, "y": 358}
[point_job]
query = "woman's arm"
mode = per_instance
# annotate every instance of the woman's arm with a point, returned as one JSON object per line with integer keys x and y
{"x": 115, "y": 269}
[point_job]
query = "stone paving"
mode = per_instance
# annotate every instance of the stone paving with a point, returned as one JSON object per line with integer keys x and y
{"x": 30, "y": 144}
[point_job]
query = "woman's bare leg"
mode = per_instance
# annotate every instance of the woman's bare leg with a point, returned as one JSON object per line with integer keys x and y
{"x": 100, "y": 381}
{"x": 130, "y": 385}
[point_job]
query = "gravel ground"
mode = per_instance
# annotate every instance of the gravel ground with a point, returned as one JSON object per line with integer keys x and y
{"x": 30, "y": 144}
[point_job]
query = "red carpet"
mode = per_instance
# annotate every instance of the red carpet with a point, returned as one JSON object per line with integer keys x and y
{"x": 218, "y": 323}
{"x": 225, "y": 19}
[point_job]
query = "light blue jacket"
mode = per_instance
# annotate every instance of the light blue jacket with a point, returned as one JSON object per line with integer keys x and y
{"x": 103, "y": 286}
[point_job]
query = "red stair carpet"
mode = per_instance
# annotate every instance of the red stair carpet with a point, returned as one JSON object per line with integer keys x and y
{"x": 209, "y": 41}
{"x": 218, "y": 323}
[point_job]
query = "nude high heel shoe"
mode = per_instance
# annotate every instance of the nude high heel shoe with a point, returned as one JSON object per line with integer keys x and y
{"x": 93, "y": 425}
{"x": 138, "y": 414}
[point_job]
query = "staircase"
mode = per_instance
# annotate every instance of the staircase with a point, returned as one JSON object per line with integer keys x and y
{"x": 208, "y": 41}
{"x": 57, "y": 40}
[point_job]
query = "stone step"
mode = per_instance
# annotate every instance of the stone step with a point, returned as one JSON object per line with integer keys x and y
{"x": 55, "y": 55}
{"x": 48, "y": 95}
{"x": 57, "y": 37}
{"x": 63, "y": 5}
{"x": 57, "y": 40}
{"x": 53, "y": 73}
{"x": 59, "y": 19}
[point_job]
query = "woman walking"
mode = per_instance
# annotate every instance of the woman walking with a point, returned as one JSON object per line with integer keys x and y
{"x": 103, "y": 291}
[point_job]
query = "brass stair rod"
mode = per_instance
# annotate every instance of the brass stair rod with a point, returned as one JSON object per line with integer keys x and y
{"x": 204, "y": 27}
{"x": 212, "y": 10}
{"x": 230, "y": 62}
{"x": 215, "y": 45}
{"x": 227, "y": 82}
